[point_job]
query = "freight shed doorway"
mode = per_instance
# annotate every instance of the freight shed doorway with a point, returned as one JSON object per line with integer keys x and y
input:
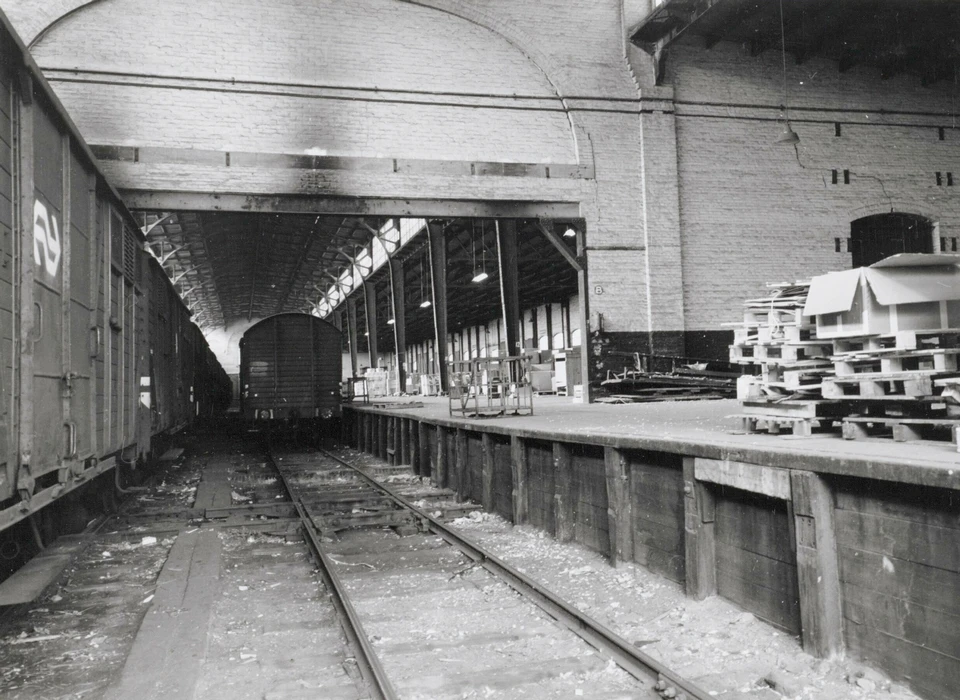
{"x": 876, "y": 237}
{"x": 409, "y": 293}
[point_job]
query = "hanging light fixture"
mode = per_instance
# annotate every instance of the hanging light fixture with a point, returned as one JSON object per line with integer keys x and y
{"x": 571, "y": 232}
{"x": 426, "y": 303}
{"x": 479, "y": 272}
{"x": 788, "y": 135}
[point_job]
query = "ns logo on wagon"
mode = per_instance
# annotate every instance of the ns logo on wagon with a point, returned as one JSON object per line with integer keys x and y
{"x": 46, "y": 238}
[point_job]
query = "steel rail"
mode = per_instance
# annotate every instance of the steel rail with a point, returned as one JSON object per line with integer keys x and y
{"x": 367, "y": 660}
{"x": 641, "y": 666}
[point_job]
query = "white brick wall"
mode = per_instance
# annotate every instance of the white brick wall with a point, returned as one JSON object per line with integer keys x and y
{"x": 549, "y": 50}
{"x": 751, "y": 211}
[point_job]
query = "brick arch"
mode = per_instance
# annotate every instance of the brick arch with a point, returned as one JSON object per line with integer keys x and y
{"x": 33, "y": 18}
{"x": 895, "y": 205}
{"x": 519, "y": 39}
{"x": 325, "y": 46}
{"x": 526, "y": 45}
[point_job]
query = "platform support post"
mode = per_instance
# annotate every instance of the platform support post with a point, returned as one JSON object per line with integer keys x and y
{"x": 699, "y": 515}
{"x": 423, "y": 450}
{"x": 384, "y": 431}
{"x": 564, "y": 510}
{"x": 818, "y": 573}
{"x": 619, "y": 510}
{"x": 461, "y": 466}
{"x": 410, "y": 440}
{"x": 373, "y": 435}
{"x": 401, "y": 447}
{"x": 386, "y": 423}
{"x": 369, "y": 433}
{"x": 440, "y": 469}
{"x": 518, "y": 467}
{"x": 489, "y": 453}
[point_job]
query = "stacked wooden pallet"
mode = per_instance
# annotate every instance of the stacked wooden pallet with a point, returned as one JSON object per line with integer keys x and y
{"x": 792, "y": 362}
{"x": 904, "y": 385}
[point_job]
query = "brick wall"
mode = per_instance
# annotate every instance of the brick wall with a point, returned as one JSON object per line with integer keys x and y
{"x": 754, "y": 211}
{"x": 539, "y": 77}
{"x": 690, "y": 207}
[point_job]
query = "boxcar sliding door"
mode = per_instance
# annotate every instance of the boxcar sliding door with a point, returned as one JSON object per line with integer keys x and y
{"x": 79, "y": 317}
{"x": 43, "y": 303}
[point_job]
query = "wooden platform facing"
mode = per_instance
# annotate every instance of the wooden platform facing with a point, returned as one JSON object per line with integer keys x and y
{"x": 850, "y": 544}
{"x": 702, "y": 429}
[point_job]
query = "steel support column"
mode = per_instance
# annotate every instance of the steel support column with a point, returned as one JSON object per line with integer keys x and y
{"x": 352, "y": 334}
{"x": 438, "y": 289}
{"x": 370, "y": 307}
{"x": 509, "y": 286}
{"x": 399, "y": 321}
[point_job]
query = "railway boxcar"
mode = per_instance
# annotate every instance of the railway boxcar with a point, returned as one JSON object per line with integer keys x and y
{"x": 97, "y": 352}
{"x": 290, "y": 367}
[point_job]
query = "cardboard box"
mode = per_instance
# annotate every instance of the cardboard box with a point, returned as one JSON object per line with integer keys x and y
{"x": 906, "y": 292}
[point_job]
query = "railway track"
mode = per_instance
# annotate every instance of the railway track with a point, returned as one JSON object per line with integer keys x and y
{"x": 430, "y": 614}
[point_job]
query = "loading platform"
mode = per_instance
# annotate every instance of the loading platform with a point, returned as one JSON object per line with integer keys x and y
{"x": 850, "y": 544}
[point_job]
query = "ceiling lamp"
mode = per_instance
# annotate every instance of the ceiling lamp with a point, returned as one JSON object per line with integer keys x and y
{"x": 425, "y": 302}
{"x": 479, "y": 270}
{"x": 788, "y": 135}
{"x": 571, "y": 232}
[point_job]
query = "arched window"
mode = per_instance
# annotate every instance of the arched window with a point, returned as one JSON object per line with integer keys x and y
{"x": 876, "y": 237}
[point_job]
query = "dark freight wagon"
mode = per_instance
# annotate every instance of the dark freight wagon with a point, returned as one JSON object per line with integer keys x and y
{"x": 290, "y": 370}
{"x": 97, "y": 353}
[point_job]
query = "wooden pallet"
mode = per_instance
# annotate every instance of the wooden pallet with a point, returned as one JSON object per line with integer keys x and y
{"x": 809, "y": 409}
{"x": 882, "y": 385}
{"x": 797, "y": 376}
{"x": 902, "y": 429}
{"x": 942, "y": 339}
{"x": 889, "y": 361}
{"x": 775, "y": 425}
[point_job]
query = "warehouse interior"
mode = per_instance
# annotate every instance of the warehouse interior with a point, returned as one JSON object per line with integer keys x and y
{"x": 615, "y": 188}
{"x": 660, "y": 144}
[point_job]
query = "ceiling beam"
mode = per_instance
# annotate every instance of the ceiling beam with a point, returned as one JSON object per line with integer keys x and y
{"x": 558, "y": 243}
{"x": 165, "y": 201}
